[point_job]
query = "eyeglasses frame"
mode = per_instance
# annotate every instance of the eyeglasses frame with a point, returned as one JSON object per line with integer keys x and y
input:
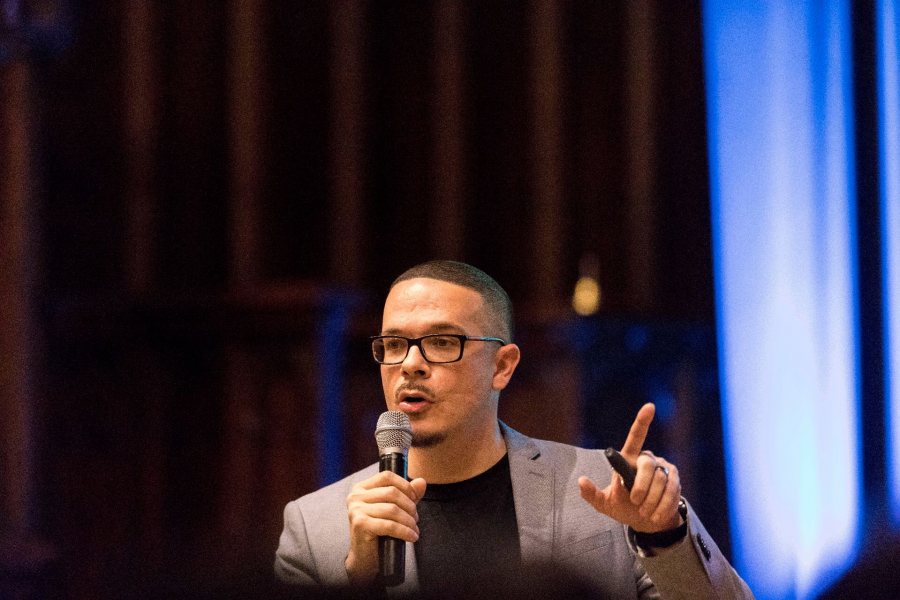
{"x": 417, "y": 342}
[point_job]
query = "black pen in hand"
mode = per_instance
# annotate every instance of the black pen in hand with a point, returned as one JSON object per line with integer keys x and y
{"x": 621, "y": 466}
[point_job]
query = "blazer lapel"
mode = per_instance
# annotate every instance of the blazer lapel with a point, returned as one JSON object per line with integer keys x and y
{"x": 532, "y": 483}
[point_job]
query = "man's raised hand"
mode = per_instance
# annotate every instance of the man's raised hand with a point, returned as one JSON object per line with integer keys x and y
{"x": 652, "y": 503}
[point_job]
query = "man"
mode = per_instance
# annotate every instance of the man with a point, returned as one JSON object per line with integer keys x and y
{"x": 486, "y": 503}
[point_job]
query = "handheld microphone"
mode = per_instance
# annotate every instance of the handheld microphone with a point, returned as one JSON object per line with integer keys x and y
{"x": 394, "y": 436}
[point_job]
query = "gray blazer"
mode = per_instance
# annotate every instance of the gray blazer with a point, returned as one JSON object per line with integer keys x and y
{"x": 556, "y": 526}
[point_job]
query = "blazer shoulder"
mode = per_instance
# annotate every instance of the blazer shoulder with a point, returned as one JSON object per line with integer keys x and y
{"x": 559, "y": 456}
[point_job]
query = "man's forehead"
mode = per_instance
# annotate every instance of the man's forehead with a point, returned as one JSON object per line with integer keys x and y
{"x": 425, "y": 288}
{"x": 432, "y": 295}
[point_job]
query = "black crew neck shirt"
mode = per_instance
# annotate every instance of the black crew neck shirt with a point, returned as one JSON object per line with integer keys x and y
{"x": 468, "y": 533}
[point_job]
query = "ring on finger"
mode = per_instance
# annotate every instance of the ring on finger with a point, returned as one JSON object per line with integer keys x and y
{"x": 664, "y": 469}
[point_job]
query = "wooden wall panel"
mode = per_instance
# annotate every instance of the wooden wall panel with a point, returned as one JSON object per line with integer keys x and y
{"x": 448, "y": 123}
{"x": 140, "y": 124}
{"x": 547, "y": 105}
{"x": 641, "y": 165}
{"x": 248, "y": 89}
{"x": 595, "y": 54}
{"x": 347, "y": 140}
{"x": 18, "y": 277}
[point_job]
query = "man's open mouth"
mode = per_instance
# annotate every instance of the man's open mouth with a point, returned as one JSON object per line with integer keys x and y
{"x": 413, "y": 399}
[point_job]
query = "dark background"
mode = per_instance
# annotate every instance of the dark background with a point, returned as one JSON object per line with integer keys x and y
{"x": 203, "y": 206}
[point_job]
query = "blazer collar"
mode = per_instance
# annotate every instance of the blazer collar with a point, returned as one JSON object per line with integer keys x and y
{"x": 532, "y": 483}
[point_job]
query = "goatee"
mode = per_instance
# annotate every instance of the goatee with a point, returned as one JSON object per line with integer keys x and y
{"x": 427, "y": 440}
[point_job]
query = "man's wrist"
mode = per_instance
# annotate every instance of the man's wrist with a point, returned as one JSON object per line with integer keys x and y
{"x": 359, "y": 577}
{"x": 666, "y": 538}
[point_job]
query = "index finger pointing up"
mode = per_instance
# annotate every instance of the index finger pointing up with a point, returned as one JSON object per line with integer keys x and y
{"x": 638, "y": 433}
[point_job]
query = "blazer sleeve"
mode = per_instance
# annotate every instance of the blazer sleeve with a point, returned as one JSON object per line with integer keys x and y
{"x": 692, "y": 569}
{"x": 316, "y": 536}
{"x": 294, "y": 561}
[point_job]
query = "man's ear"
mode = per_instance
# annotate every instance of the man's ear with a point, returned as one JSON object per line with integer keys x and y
{"x": 506, "y": 360}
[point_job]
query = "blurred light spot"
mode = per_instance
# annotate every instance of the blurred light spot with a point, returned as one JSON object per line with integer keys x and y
{"x": 586, "y": 299}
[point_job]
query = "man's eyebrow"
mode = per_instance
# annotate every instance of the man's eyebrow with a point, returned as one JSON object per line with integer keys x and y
{"x": 434, "y": 328}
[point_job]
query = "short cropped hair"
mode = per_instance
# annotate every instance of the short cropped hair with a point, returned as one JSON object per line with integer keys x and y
{"x": 496, "y": 300}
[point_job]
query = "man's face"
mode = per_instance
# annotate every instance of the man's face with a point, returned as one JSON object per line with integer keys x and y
{"x": 442, "y": 400}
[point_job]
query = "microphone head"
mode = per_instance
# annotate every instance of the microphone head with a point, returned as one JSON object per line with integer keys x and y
{"x": 393, "y": 433}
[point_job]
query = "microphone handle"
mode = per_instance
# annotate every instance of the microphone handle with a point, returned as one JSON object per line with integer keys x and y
{"x": 391, "y": 551}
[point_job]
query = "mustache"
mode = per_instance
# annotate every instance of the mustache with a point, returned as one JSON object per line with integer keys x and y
{"x": 413, "y": 387}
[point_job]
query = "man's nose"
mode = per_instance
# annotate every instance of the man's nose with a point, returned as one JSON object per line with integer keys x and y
{"x": 415, "y": 364}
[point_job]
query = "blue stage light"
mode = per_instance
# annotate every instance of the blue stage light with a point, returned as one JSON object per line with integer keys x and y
{"x": 888, "y": 53}
{"x": 780, "y": 120}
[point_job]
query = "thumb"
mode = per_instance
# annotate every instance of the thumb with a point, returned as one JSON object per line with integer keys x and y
{"x": 592, "y": 494}
{"x": 418, "y": 485}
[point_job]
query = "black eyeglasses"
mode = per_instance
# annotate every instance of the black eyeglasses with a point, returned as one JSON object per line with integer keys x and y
{"x": 435, "y": 348}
